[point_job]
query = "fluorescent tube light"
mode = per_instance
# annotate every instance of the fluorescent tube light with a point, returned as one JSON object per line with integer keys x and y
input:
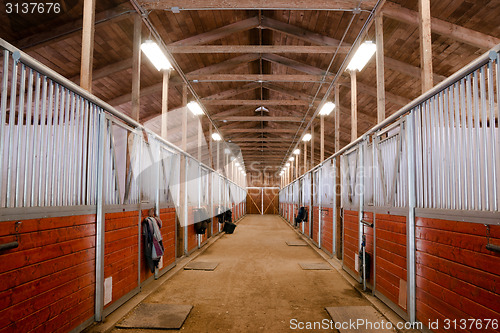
{"x": 155, "y": 55}
{"x": 362, "y": 56}
{"x": 327, "y": 108}
{"x": 195, "y": 108}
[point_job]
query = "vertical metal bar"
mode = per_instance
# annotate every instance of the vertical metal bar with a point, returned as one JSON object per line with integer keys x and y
{"x": 76, "y": 152}
{"x": 62, "y": 147}
{"x": 420, "y": 154}
{"x": 428, "y": 157}
{"x": 3, "y": 116}
{"x": 484, "y": 172}
{"x": 334, "y": 208}
{"x": 20, "y": 144}
{"x": 447, "y": 165}
{"x": 477, "y": 143}
{"x": 185, "y": 208}
{"x": 36, "y": 139}
{"x": 71, "y": 150}
{"x": 470, "y": 143}
{"x": 442, "y": 151}
{"x": 491, "y": 106}
{"x": 85, "y": 154}
{"x": 11, "y": 126}
{"x": 48, "y": 143}
{"x": 100, "y": 241}
{"x": 458, "y": 146}
{"x": 58, "y": 116}
{"x": 320, "y": 205}
{"x": 42, "y": 152}
{"x": 27, "y": 155}
{"x": 497, "y": 151}
{"x": 465, "y": 144}
{"x": 410, "y": 225}
{"x": 361, "y": 180}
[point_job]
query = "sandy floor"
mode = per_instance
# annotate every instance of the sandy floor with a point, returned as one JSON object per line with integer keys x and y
{"x": 258, "y": 285}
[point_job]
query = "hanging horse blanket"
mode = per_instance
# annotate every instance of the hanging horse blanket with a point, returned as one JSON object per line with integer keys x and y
{"x": 153, "y": 241}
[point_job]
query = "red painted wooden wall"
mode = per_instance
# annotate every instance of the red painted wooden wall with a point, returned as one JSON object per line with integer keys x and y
{"x": 327, "y": 230}
{"x": 351, "y": 239}
{"x": 457, "y": 277}
{"x": 47, "y": 283}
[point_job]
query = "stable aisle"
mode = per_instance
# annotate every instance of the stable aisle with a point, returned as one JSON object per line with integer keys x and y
{"x": 258, "y": 284}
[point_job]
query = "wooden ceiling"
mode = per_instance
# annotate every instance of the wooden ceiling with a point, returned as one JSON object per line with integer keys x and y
{"x": 280, "y": 54}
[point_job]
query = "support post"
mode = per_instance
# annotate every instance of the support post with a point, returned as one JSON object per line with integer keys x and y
{"x": 87, "y": 45}
{"x": 410, "y": 225}
{"x": 337, "y": 118}
{"x": 322, "y": 139}
{"x": 136, "y": 69}
{"x": 354, "y": 107}
{"x": 425, "y": 44}
{"x": 305, "y": 158}
{"x": 379, "y": 32}
{"x": 312, "y": 145}
{"x": 164, "y": 105}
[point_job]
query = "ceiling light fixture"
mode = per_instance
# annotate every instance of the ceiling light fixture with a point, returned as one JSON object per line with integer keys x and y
{"x": 296, "y": 151}
{"x": 195, "y": 108}
{"x": 216, "y": 137}
{"x": 262, "y": 109}
{"x": 291, "y": 159}
{"x": 327, "y": 108}
{"x": 155, "y": 55}
{"x": 287, "y": 165}
{"x": 363, "y": 54}
{"x": 307, "y": 137}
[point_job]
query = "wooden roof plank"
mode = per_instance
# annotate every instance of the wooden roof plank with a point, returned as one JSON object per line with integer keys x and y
{"x": 450, "y": 30}
{"x": 218, "y": 33}
{"x": 251, "y": 49}
{"x": 256, "y": 4}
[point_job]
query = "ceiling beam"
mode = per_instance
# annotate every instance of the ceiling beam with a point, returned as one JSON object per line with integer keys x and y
{"x": 297, "y": 65}
{"x": 256, "y": 4}
{"x": 372, "y": 91}
{"x": 229, "y": 93}
{"x": 289, "y": 92}
{"x": 107, "y": 70}
{"x": 408, "y": 69}
{"x": 259, "y": 118}
{"x": 73, "y": 28}
{"x": 258, "y": 130}
{"x": 219, "y": 33}
{"x": 251, "y": 49}
{"x": 302, "y": 34}
{"x": 450, "y": 30}
{"x": 226, "y": 65}
{"x": 152, "y": 89}
{"x": 258, "y": 77}
{"x": 256, "y": 140}
{"x": 255, "y": 102}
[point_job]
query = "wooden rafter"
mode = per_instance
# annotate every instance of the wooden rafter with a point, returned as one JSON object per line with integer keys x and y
{"x": 255, "y": 102}
{"x": 450, "y": 30}
{"x": 259, "y": 118}
{"x": 71, "y": 29}
{"x": 219, "y": 33}
{"x": 258, "y": 77}
{"x": 302, "y": 34}
{"x": 256, "y": 4}
{"x": 229, "y": 93}
{"x": 251, "y": 49}
{"x": 297, "y": 65}
{"x": 226, "y": 65}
